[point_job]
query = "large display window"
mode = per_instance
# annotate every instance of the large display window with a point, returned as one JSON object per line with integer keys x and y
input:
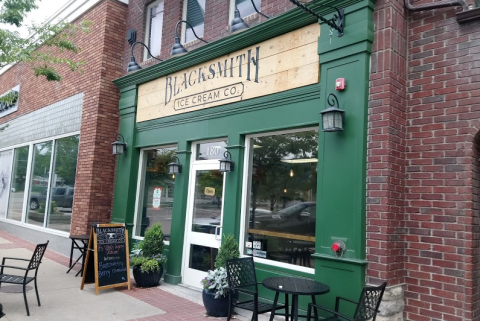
{"x": 156, "y": 191}
{"x": 281, "y": 197}
{"x": 47, "y": 176}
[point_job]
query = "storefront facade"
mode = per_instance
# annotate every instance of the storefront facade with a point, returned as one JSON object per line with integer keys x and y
{"x": 257, "y": 94}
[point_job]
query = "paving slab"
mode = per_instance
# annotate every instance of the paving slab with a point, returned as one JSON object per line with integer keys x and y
{"x": 62, "y": 299}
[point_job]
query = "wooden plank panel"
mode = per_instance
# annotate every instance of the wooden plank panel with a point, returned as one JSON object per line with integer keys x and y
{"x": 279, "y": 64}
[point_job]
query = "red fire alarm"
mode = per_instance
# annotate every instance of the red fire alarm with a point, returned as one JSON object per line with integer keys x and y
{"x": 340, "y": 84}
{"x": 338, "y": 247}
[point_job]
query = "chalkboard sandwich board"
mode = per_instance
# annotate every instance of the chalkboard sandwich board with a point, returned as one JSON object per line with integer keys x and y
{"x": 109, "y": 245}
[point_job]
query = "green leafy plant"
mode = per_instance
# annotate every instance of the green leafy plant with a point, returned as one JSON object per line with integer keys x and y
{"x": 148, "y": 254}
{"x": 152, "y": 244}
{"x": 216, "y": 280}
{"x": 228, "y": 250}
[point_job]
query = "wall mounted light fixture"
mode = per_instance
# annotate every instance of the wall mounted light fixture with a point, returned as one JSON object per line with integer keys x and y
{"x": 174, "y": 167}
{"x": 119, "y": 147}
{"x": 132, "y": 65}
{"x": 237, "y": 23}
{"x": 177, "y": 48}
{"x": 226, "y": 164}
{"x": 333, "y": 118}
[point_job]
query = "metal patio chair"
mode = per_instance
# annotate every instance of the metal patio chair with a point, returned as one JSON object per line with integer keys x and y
{"x": 366, "y": 307}
{"x": 33, "y": 265}
{"x": 242, "y": 279}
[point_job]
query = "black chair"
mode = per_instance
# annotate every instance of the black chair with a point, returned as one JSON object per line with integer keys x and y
{"x": 33, "y": 265}
{"x": 367, "y": 305}
{"x": 242, "y": 279}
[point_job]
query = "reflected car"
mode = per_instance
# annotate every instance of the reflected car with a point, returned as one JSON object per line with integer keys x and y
{"x": 62, "y": 196}
{"x": 299, "y": 218}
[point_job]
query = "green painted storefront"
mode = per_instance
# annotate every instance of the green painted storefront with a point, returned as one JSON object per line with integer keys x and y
{"x": 342, "y": 155}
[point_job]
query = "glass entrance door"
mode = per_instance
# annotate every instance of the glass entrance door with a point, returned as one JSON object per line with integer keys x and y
{"x": 204, "y": 221}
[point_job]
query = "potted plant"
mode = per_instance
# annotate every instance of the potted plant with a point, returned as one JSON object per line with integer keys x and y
{"x": 147, "y": 258}
{"x": 215, "y": 285}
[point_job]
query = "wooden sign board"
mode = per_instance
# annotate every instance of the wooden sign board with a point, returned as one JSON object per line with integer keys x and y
{"x": 109, "y": 246}
{"x": 279, "y": 64}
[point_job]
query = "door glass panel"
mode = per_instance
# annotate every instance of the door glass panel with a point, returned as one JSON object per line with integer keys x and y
{"x": 39, "y": 183}
{"x": 17, "y": 187}
{"x": 207, "y": 209}
{"x": 213, "y": 150}
{"x": 202, "y": 257}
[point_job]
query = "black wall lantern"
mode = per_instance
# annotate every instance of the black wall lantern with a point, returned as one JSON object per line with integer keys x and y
{"x": 333, "y": 117}
{"x": 174, "y": 167}
{"x": 119, "y": 146}
{"x": 177, "y": 48}
{"x": 226, "y": 164}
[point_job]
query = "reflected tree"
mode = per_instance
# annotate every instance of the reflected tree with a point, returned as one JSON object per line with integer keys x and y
{"x": 277, "y": 179}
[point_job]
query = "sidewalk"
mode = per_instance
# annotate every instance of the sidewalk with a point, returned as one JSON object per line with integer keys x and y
{"x": 62, "y": 299}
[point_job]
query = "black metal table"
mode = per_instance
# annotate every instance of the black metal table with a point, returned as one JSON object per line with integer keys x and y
{"x": 79, "y": 242}
{"x": 294, "y": 287}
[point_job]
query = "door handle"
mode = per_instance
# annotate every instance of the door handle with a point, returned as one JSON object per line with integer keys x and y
{"x": 218, "y": 236}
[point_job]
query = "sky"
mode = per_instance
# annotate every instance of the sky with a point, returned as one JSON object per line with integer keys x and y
{"x": 53, "y": 10}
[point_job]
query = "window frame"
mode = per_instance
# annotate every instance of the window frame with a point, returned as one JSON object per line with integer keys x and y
{"x": 140, "y": 187}
{"x": 147, "y": 28}
{"x": 246, "y": 188}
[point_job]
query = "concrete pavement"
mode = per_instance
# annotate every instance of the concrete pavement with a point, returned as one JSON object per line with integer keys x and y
{"x": 62, "y": 299}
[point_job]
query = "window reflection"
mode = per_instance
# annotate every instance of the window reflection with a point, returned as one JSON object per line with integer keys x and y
{"x": 42, "y": 155}
{"x": 196, "y": 18}
{"x": 246, "y": 8}
{"x": 63, "y": 183}
{"x": 158, "y": 191}
{"x": 283, "y": 192}
{"x": 17, "y": 187}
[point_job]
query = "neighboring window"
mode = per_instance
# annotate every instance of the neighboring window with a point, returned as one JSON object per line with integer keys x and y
{"x": 42, "y": 156}
{"x": 157, "y": 190}
{"x": 17, "y": 186}
{"x": 154, "y": 28}
{"x": 6, "y": 158}
{"x": 246, "y": 8}
{"x": 282, "y": 193}
{"x": 63, "y": 183}
{"x": 195, "y": 15}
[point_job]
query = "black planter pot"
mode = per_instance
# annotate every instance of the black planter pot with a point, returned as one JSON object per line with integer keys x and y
{"x": 147, "y": 280}
{"x": 215, "y": 307}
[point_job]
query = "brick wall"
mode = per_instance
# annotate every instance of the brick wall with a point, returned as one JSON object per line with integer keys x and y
{"x": 217, "y": 23}
{"x": 102, "y": 52}
{"x": 422, "y": 172}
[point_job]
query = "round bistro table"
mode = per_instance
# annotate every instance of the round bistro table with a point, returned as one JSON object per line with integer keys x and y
{"x": 294, "y": 287}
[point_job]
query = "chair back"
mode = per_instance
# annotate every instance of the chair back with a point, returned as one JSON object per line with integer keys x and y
{"x": 369, "y": 302}
{"x": 241, "y": 272}
{"x": 37, "y": 256}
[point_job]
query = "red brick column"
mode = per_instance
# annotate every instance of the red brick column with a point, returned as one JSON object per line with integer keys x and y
{"x": 386, "y": 147}
{"x": 96, "y": 164}
{"x": 423, "y": 175}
